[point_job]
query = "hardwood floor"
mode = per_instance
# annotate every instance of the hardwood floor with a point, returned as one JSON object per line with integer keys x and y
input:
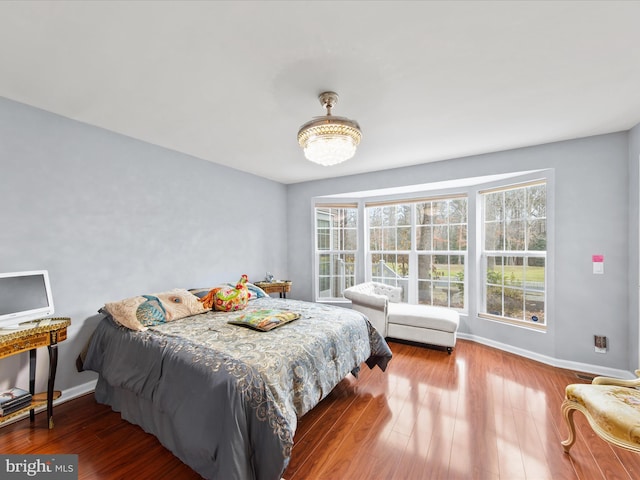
{"x": 479, "y": 413}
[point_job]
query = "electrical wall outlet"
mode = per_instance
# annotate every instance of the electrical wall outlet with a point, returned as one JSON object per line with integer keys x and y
{"x": 600, "y": 342}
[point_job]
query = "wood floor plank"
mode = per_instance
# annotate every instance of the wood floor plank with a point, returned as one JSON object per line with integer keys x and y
{"x": 479, "y": 413}
{"x": 313, "y": 465}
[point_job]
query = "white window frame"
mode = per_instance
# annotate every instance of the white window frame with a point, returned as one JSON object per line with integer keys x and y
{"x": 525, "y": 254}
{"x": 318, "y": 276}
{"x": 411, "y": 282}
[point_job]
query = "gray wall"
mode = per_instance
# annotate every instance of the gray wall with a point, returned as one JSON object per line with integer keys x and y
{"x": 634, "y": 246}
{"x": 111, "y": 217}
{"x": 591, "y": 197}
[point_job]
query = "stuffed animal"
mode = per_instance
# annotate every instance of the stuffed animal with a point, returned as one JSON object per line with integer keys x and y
{"x": 228, "y": 298}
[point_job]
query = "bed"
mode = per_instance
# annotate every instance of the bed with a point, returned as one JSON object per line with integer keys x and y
{"x": 224, "y": 398}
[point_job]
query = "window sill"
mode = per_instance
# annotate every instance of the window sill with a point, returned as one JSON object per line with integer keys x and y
{"x": 536, "y": 327}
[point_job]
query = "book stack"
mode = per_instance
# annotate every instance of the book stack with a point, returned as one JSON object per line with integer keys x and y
{"x": 13, "y": 399}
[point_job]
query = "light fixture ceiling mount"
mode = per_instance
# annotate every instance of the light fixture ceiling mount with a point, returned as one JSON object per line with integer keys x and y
{"x": 329, "y": 140}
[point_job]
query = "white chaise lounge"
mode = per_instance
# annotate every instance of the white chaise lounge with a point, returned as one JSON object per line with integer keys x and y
{"x": 417, "y": 323}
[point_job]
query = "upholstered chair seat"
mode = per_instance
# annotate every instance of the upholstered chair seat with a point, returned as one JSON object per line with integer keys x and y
{"x": 611, "y": 406}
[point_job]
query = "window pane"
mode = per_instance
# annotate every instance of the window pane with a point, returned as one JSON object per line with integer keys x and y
{"x": 404, "y": 238}
{"x": 456, "y": 280}
{"x": 513, "y": 303}
{"x": 375, "y": 239}
{"x": 351, "y": 218}
{"x": 514, "y": 235}
{"x": 424, "y": 267}
{"x": 324, "y": 264}
{"x": 423, "y": 242}
{"x": 494, "y": 301}
{"x": 425, "y": 292}
{"x": 350, "y": 240}
{"x": 441, "y": 237}
{"x": 335, "y": 238}
{"x": 534, "y": 274}
{"x": 493, "y": 207}
{"x": 513, "y": 271}
{"x": 424, "y": 213}
{"x": 391, "y": 269}
{"x": 337, "y": 271}
{"x": 514, "y": 204}
{"x": 440, "y": 297}
{"x": 374, "y": 216}
{"x": 441, "y": 212}
{"x": 458, "y": 210}
{"x": 403, "y": 215}
{"x": 324, "y": 239}
{"x": 458, "y": 237}
{"x": 537, "y": 201}
{"x": 493, "y": 236}
{"x": 537, "y": 233}
{"x": 388, "y": 216}
{"x": 401, "y": 266}
{"x": 456, "y": 272}
{"x": 439, "y": 267}
{"x": 322, "y": 216}
{"x": 534, "y": 303}
{"x": 441, "y": 280}
{"x": 389, "y": 239}
{"x": 457, "y": 301}
{"x": 494, "y": 270}
{"x": 378, "y": 267}
{"x": 349, "y": 262}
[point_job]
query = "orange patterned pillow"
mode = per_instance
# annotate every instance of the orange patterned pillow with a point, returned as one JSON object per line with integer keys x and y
{"x": 228, "y": 299}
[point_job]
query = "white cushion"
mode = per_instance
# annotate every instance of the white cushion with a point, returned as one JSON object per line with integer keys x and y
{"x": 424, "y": 316}
{"x": 366, "y": 298}
{"x": 373, "y": 294}
{"x": 394, "y": 294}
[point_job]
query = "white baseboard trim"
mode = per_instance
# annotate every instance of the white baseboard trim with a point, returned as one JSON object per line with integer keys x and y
{"x": 68, "y": 394}
{"x": 77, "y": 391}
{"x": 554, "y": 362}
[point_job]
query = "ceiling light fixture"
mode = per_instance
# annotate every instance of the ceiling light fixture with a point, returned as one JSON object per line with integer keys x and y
{"x": 329, "y": 140}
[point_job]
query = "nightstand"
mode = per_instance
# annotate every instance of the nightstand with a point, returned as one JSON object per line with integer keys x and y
{"x": 278, "y": 286}
{"x": 30, "y": 336}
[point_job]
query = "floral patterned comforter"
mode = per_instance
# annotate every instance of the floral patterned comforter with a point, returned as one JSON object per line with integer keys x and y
{"x": 225, "y": 398}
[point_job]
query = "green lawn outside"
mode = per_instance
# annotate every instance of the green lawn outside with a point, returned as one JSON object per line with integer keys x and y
{"x": 534, "y": 274}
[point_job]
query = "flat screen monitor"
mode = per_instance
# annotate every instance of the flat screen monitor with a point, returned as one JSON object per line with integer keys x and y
{"x": 24, "y": 296}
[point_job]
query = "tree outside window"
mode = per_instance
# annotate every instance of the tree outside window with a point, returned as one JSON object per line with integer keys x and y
{"x": 514, "y": 253}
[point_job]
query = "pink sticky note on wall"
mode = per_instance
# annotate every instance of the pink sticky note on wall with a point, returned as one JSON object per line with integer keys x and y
{"x": 597, "y": 258}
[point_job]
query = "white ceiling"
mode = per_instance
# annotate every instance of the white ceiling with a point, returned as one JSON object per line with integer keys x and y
{"x": 231, "y": 82}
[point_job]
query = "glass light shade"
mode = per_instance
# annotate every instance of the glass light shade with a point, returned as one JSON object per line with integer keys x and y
{"x": 330, "y": 150}
{"x": 329, "y": 140}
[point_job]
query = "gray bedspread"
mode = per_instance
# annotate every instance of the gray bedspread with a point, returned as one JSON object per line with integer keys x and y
{"x": 224, "y": 398}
